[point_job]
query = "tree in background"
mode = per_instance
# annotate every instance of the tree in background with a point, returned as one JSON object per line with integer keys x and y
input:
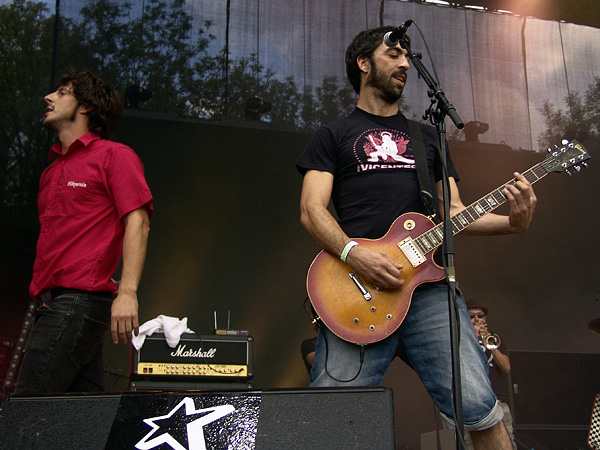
{"x": 161, "y": 52}
{"x": 580, "y": 121}
{"x": 24, "y": 79}
{"x": 155, "y": 51}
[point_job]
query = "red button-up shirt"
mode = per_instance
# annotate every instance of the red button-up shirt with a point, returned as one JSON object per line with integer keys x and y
{"x": 83, "y": 196}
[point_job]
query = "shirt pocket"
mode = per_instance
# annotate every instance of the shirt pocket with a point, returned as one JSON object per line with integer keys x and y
{"x": 74, "y": 198}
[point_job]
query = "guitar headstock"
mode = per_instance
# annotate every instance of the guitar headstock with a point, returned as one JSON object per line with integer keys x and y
{"x": 571, "y": 155}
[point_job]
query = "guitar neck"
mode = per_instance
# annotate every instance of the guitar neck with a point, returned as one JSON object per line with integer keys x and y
{"x": 433, "y": 238}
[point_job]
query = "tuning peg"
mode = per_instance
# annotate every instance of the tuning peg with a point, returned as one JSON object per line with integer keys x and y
{"x": 577, "y": 169}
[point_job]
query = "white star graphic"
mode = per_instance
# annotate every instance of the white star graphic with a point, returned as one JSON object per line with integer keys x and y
{"x": 195, "y": 432}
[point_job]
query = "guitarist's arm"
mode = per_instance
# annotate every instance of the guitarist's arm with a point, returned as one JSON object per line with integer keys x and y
{"x": 522, "y": 201}
{"x": 374, "y": 266}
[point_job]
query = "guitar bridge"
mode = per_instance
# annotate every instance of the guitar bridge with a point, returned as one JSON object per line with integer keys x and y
{"x": 411, "y": 251}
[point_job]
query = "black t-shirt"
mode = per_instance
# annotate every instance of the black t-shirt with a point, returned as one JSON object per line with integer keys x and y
{"x": 375, "y": 177}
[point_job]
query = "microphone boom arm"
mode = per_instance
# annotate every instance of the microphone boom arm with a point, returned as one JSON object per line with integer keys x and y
{"x": 444, "y": 108}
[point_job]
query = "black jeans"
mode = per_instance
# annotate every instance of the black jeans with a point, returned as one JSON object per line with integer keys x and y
{"x": 64, "y": 348}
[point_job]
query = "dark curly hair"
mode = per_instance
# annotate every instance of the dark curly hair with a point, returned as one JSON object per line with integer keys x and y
{"x": 105, "y": 104}
{"x": 363, "y": 44}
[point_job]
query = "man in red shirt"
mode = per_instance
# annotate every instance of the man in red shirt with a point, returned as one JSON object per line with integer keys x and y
{"x": 94, "y": 207}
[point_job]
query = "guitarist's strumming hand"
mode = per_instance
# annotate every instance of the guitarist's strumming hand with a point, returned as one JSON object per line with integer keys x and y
{"x": 376, "y": 267}
{"x": 522, "y": 202}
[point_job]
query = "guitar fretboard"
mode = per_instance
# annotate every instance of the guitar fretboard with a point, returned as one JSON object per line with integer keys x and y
{"x": 433, "y": 238}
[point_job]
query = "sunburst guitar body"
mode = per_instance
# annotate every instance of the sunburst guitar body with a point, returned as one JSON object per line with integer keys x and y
{"x": 360, "y": 312}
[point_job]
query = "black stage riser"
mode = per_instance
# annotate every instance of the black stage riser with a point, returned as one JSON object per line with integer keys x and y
{"x": 303, "y": 419}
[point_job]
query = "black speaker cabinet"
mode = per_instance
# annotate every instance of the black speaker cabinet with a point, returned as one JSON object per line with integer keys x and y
{"x": 288, "y": 419}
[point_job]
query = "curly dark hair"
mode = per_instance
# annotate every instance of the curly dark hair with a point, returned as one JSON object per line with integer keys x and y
{"x": 363, "y": 44}
{"x": 105, "y": 104}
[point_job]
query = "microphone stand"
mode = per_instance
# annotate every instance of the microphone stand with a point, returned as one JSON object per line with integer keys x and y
{"x": 437, "y": 116}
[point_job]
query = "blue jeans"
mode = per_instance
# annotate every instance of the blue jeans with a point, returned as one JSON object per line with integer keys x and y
{"x": 423, "y": 342}
{"x": 64, "y": 348}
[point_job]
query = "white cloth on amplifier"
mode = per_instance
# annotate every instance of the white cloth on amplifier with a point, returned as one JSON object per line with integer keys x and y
{"x": 171, "y": 326}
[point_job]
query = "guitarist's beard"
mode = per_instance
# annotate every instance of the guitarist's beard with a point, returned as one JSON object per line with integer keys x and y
{"x": 388, "y": 89}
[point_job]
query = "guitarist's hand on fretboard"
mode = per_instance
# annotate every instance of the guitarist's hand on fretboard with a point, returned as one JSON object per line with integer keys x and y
{"x": 522, "y": 202}
{"x": 376, "y": 267}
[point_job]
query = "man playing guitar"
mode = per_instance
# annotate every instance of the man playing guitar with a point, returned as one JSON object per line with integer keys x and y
{"x": 368, "y": 196}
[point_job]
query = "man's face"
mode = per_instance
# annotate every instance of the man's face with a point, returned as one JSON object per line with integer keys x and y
{"x": 477, "y": 316}
{"x": 61, "y": 107}
{"x": 388, "y": 72}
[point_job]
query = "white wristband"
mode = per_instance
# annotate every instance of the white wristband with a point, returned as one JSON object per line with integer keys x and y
{"x": 349, "y": 246}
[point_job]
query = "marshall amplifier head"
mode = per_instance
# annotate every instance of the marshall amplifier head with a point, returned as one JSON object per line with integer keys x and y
{"x": 195, "y": 357}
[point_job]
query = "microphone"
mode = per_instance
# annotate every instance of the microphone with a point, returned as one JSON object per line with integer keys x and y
{"x": 391, "y": 38}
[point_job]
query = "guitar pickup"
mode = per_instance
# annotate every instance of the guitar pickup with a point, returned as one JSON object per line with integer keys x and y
{"x": 411, "y": 251}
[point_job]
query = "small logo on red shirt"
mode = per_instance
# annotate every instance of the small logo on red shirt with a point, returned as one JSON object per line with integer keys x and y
{"x": 76, "y": 184}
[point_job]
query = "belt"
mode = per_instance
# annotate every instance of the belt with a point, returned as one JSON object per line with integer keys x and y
{"x": 65, "y": 291}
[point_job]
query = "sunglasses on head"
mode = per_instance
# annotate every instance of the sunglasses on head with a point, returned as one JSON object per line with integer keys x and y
{"x": 480, "y": 315}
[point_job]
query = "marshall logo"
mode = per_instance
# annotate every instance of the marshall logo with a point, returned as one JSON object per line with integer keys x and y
{"x": 194, "y": 355}
{"x": 182, "y": 352}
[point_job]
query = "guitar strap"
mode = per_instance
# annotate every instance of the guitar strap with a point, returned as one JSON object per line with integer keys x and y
{"x": 416, "y": 137}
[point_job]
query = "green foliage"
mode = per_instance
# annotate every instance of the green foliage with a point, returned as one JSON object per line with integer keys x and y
{"x": 581, "y": 120}
{"x": 592, "y": 103}
{"x": 152, "y": 51}
{"x": 160, "y": 50}
{"x": 24, "y": 80}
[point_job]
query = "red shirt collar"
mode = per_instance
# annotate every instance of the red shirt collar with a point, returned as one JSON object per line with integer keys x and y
{"x": 82, "y": 141}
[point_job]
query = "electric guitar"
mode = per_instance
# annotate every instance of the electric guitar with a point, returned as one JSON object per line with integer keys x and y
{"x": 358, "y": 311}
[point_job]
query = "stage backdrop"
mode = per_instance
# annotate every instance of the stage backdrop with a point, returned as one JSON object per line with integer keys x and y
{"x": 226, "y": 235}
